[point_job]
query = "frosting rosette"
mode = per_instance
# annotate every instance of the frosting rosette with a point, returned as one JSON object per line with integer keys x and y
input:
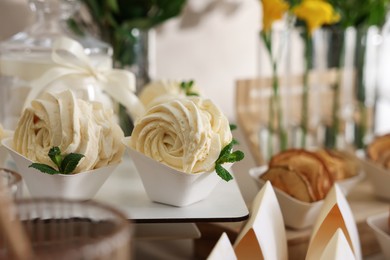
{"x": 73, "y": 125}
{"x": 161, "y": 91}
{"x": 186, "y": 134}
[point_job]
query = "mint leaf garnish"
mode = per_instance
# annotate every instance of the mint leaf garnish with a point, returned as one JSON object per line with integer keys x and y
{"x": 223, "y": 173}
{"x": 70, "y": 162}
{"x": 66, "y": 164}
{"x": 55, "y": 156}
{"x": 44, "y": 168}
{"x": 186, "y": 86}
{"x": 227, "y": 156}
{"x": 235, "y": 141}
{"x": 231, "y": 158}
{"x": 232, "y": 127}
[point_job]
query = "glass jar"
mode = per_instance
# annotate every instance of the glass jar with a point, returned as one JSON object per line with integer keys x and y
{"x": 12, "y": 182}
{"x": 26, "y": 56}
{"x": 70, "y": 229}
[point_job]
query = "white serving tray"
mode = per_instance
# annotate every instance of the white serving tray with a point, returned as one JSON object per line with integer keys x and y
{"x": 124, "y": 190}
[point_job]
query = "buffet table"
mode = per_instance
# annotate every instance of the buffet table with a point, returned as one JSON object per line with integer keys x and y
{"x": 163, "y": 227}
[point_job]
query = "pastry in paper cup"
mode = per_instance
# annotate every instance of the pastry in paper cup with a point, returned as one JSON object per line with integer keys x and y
{"x": 375, "y": 160}
{"x": 83, "y": 185}
{"x": 298, "y": 214}
{"x": 166, "y": 185}
{"x": 79, "y": 142}
{"x": 379, "y": 178}
{"x": 178, "y": 146}
{"x": 380, "y": 225}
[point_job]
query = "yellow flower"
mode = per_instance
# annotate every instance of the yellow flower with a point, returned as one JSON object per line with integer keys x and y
{"x": 316, "y": 13}
{"x": 273, "y": 10}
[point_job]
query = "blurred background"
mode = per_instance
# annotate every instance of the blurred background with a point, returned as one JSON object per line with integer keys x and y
{"x": 213, "y": 42}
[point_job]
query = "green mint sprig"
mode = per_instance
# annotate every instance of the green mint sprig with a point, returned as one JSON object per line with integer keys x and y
{"x": 66, "y": 164}
{"x": 187, "y": 86}
{"x": 233, "y": 127}
{"x": 227, "y": 156}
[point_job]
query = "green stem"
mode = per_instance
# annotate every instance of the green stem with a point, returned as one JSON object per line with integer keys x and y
{"x": 361, "y": 125}
{"x": 336, "y": 61}
{"x": 279, "y": 110}
{"x": 275, "y": 102}
{"x": 305, "y": 91}
{"x": 271, "y": 113}
{"x": 332, "y": 138}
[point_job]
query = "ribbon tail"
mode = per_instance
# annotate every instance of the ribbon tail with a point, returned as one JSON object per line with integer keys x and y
{"x": 121, "y": 77}
{"x": 122, "y": 94}
{"x": 40, "y": 84}
{"x": 134, "y": 107}
{"x": 129, "y": 100}
{"x": 120, "y": 85}
{"x": 70, "y": 53}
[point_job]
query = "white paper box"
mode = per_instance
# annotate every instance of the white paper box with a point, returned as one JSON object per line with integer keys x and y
{"x": 335, "y": 214}
{"x": 222, "y": 250}
{"x": 81, "y": 186}
{"x": 380, "y": 225}
{"x": 299, "y": 214}
{"x": 264, "y": 234}
{"x": 379, "y": 178}
{"x": 166, "y": 185}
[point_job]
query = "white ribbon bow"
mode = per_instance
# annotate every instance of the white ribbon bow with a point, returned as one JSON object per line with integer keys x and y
{"x": 71, "y": 59}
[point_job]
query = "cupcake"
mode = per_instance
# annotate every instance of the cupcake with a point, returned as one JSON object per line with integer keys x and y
{"x": 177, "y": 144}
{"x": 73, "y": 126}
{"x": 161, "y": 91}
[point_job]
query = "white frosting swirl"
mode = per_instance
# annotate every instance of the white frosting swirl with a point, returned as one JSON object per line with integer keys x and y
{"x": 186, "y": 134}
{"x": 74, "y": 125}
{"x": 161, "y": 91}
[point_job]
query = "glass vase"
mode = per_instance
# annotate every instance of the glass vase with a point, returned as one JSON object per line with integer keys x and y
{"x": 349, "y": 59}
{"x": 284, "y": 104}
{"x": 26, "y": 56}
{"x": 133, "y": 51}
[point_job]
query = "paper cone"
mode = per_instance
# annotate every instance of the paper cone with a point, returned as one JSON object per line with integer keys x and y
{"x": 81, "y": 186}
{"x": 338, "y": 248}
{"x": 264, "y": 235}
{"x": 166, "y": 185}
{"x": 335, "y": 214}
{"x": 222, "y": 250}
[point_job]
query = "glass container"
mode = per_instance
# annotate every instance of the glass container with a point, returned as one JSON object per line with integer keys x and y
{"x": 72, "y": 229}
{"x": 12, "y": 181}
{"x": 26, "y": 56}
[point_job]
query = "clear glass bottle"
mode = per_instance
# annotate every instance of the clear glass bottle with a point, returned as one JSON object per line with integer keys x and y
{"x": 27, "y": 55}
